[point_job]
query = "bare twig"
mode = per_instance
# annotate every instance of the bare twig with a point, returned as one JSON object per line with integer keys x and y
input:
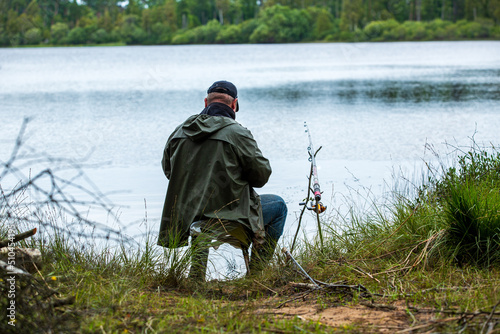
{"x": 489, "y": 317}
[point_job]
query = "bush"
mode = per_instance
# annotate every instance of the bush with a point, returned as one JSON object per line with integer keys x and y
{"x": 280, "y": 24}
{"x": 380, "y": 30}
{"x": 207, "y": 34}
{"x": 415, "y": 31}
{"x": 100, "y": 36}
{"x": 470, "y": 197}
{"x": 4, "y": 39}
{"x": 184, "y": 37}
{"x": 77, "y": 36}
{"x": 474, "y": 223}
{"x": 323, "y": 22}
{"x": 59, "y": 32}
{"x": 247, "y": 29}
{"x": 130, "y": 32}
{"x": 229, "y": 35}
{"x": 33, "y": 36}
{"x": 161, "y": 33}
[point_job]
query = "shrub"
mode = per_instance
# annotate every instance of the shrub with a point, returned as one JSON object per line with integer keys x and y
{"x": 415, "y": 30}
{"x": 130, "y": 32}
{"x": 380, "y": 30}
{"x": 247, "y": 29}
{"x": 323, "y": 22}
{"x": 184, "y": 37}
{"x": 470, "y": 197}
{"x": 161, "y": 33}
{"x": 472, "y": 211}
{"x": 100, "y": 36}
{"x": 207, "y": 34}
{"x": 280, "y": 24}
{"x": 59, "y": 32}
{"x": 33, "y": 36}
{"x": 77, "y": 36}
{"x": 229, "y": 35}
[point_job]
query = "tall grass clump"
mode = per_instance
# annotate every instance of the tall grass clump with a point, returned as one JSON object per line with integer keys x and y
{"x": 470, "y": 196}
{"x": 449, "y": 215}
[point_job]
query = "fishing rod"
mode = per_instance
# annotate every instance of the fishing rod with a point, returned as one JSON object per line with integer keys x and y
{"x": 318, "y": 207}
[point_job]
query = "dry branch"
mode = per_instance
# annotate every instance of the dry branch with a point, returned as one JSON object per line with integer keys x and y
{"x": 17, "y": 237}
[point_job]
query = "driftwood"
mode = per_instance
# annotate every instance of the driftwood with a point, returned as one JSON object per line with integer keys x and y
{"x": 10, "y": 269}
{"x": 22, "y": 259}
{"x": 358, "y": 287}
{"x": 17, "y": 237}
{"x": 29, "y": 259}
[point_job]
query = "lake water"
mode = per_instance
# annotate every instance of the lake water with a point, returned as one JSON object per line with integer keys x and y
{"x": 372, "y": 108}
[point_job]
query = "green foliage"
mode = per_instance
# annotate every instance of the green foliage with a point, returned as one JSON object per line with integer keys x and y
{"x": 199, "y": 35}
{"x": 379, "y": 30}
{"x": 229, "y": 35}
{"x": 243, "y": 21}
{"x": 247, "y": 29}
{"x": 473, "y": 215}
{"x": 77, "y": 36}
{"x": 452, "y": 217}
{"x": 33, "y": 36}
{"x": 59, "y": 32}
{"x": 469, "y": 195}
{"x": 280, "y": 24}
{"x": 323, "y": 22}
{"x": 130, "y": 31}
{"x": 184, "y": 37}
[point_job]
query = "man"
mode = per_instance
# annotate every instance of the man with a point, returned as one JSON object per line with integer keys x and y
{"x": 213, "y": 163}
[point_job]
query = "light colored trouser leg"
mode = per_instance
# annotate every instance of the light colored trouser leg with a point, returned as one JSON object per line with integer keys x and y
{"x": 199, "y": 259}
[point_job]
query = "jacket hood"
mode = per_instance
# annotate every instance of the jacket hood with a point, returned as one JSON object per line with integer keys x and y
{"x": 200, "y": 127}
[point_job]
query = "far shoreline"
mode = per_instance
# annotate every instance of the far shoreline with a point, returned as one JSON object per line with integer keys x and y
{"x": 122, "y": 44}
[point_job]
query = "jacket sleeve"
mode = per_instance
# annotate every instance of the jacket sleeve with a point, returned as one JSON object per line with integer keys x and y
{"x": 255, "y": 167}
{"x": 165, "y": 162}
{"x": 167, "y": 153}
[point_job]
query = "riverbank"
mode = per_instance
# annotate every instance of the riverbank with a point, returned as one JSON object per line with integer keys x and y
{"x": 424, "y": 258}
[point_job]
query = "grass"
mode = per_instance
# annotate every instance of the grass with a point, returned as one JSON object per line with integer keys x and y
{"x": 428, "y": 257}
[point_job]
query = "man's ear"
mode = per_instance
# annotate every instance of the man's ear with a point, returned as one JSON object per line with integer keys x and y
{"x": 206, "y": 102}
{"x": 234, "y": 104}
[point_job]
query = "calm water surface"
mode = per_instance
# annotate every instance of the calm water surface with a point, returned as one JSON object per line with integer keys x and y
{"x": 370, "y": 106}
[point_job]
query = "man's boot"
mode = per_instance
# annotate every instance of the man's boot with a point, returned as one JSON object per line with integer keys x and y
{"x": 261, "y": 255}
{"x": 199, "y": 260}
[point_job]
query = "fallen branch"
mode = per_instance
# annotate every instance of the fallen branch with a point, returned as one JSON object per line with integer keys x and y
{"x": 490, "y": 317}
{"x": 358, "y": 287}
{"x": 17, "y": 237}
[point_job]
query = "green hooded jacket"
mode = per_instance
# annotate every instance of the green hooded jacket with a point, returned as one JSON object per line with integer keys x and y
{"x": 212, "y": 163}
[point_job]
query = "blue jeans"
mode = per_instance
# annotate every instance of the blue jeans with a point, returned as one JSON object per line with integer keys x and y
{"x": 274, "y": 211}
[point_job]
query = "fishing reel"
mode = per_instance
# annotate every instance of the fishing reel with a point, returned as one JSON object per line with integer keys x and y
{"x": 318, "y": 207}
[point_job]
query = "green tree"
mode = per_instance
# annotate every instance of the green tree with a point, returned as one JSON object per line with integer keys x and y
{"x": 222, "y": 7}
{"x": 130, "y": 31}
{"x": 249, "y": 9}
{"x": 323, "y": 22}
{"x": 494, "y": 9}
{"x": 352, "y": 12}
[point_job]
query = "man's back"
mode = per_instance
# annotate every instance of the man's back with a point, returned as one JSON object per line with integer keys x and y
{"x": 212, "y": 163}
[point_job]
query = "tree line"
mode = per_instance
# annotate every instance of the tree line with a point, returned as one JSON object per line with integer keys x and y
{"x": 72, "y": 22}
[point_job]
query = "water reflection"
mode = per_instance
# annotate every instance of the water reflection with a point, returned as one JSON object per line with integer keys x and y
{"x": 384, "y": 91}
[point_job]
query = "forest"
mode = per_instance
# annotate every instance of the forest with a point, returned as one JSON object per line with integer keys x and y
{"x": 153, "y": 22}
